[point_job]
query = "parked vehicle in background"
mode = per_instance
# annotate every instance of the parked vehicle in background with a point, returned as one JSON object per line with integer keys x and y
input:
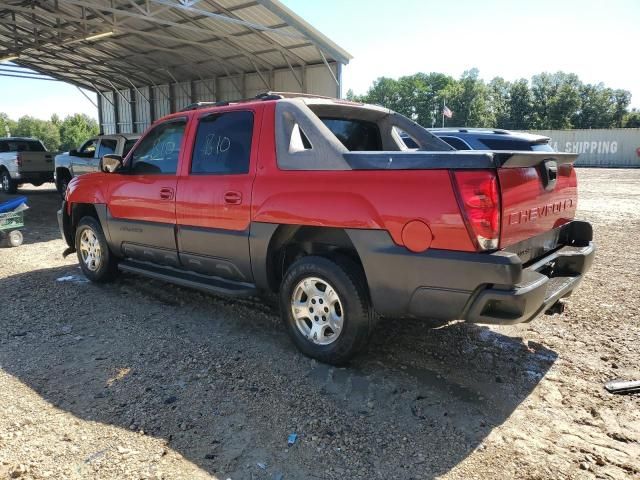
{"x": 24, "y": 160}
{"x": 319, "y": 201}
{"x": 487, "y": 139}
{"x": 86, "y": 158}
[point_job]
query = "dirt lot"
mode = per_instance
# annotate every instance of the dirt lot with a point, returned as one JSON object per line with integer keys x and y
{"x": 139, "y": 379}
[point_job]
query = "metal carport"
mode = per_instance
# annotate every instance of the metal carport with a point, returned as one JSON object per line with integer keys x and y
{"x": 147, "y": 58}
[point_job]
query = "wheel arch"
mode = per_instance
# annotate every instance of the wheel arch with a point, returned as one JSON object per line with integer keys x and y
{"x": 275, "y": 247}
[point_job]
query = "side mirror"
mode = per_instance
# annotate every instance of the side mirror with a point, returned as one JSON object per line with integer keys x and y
{"x": 73, "y": 152}
{"x": 110, "y": 163}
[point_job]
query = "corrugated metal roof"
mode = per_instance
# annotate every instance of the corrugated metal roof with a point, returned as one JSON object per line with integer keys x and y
{"x": 104, "y": 45}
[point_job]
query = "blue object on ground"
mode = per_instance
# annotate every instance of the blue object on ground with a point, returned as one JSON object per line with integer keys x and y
{"x": 292, "y": 438}
{"x": 12, "y": 204}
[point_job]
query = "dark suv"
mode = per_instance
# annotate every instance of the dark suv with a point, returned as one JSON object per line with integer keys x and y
{"x": 487, "y": 139}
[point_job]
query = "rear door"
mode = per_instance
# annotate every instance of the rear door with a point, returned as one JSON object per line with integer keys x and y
{"x": 214, "y": 195}
{"x": 142, "y": 215}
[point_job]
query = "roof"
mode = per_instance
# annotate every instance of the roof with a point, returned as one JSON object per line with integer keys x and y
{"x": 486, "y": 132}
{"x": 19, "y": 139}
{"x": 123, "y": 43}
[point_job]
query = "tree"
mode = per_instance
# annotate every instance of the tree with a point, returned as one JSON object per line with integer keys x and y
{"x": 520, "y": 106}
{"x": 500, "y": 102}
{"x": 76, "y": 129}
{"x": 469, "y": 100}
{"x": 7, "y": 126}
{"x": 632, "y": 119}
{"x": 43, "y": 130}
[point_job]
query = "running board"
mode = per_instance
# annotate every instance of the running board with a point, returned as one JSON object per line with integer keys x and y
{"x": 188, "y": 279}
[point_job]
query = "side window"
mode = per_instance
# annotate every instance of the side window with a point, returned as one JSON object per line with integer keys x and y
{"x": 4, "y": 147}
{"x": 107, "y": 146}
{"x": 355, "y": 135}
{"x": 128, "y": 145}
{"x": 159, "y": 150}
{"x": 89, "y": 148}
{"x": 456, "y": 143}
{"x": 223, "y": 144}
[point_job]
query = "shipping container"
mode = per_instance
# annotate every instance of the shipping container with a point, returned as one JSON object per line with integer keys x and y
{"x": 612, "y": 147}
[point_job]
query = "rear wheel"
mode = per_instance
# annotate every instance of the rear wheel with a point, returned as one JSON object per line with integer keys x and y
{"x": 96, "y": 260}
{"x": 325, "y": 306}
{"x": 8, "y": 184}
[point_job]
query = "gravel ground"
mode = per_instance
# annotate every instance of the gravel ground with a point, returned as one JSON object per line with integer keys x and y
{"x": 139, "y": 379}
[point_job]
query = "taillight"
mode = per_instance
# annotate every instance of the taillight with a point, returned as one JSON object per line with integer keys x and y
{"x": 18, "y": 160}
{"x": 479, "y": 200}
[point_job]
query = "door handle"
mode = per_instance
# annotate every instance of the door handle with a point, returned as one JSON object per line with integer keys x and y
{"x": 166, "y": 193}
{"x": 233, "y": 198}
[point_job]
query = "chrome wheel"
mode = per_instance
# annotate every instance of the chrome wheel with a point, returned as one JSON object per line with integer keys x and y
{"x": 90, "y": 249}
{"x": 5, "y": 182}
{"x": 317, "y": 311}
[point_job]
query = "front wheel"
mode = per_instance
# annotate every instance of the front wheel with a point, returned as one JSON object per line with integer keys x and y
{"x": 9, "y": 185}
{"x": 96, "y": 260}
{"x": 326, "y": 308}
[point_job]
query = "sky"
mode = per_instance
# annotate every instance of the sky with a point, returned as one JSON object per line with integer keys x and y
{"x": 514, "y": 39}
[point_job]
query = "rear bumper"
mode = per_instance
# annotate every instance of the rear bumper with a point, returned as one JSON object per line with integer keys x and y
{"x": 551, "y": 278}
{"x": 33, "y": 177}
{"x": 480, "y": 288}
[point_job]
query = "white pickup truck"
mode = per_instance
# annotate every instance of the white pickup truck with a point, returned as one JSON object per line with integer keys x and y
{"x": 24, "y": 160}
{"x": 86, "y": 158}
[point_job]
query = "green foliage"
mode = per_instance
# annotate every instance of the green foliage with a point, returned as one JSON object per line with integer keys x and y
{"x": 549, "y": 100}
{"x": 632, "y": 119}
{"x": 76, "y": 129}
{"x": 44, "y": 130}
{"x": 7, "y": 126}
{"x": 56, "y": 134}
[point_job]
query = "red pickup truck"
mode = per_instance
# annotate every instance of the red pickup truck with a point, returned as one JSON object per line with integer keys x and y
{"x": 320, "y": 201}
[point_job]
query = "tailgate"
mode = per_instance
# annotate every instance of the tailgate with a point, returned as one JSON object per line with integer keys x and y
{"x": 539, "y": 194}
{"x": 35, "y": 162}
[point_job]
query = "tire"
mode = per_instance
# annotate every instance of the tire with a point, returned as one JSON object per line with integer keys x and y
{"x": 345, "y": 317}
{"x": 8, "y": 184}
{"x": 96, "y": 260}
{"x": 62, "y": 182}
{"x": 11, "y": 239}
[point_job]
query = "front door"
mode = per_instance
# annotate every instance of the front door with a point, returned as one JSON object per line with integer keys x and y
{"x": 84, "y": 157}
{"x": 214, "y": 196}
{"x": 142, "y": 214}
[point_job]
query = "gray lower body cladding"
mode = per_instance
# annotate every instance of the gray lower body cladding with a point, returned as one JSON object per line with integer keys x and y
{"x": 440, "y": 284}
{"x": 481, "y": 288}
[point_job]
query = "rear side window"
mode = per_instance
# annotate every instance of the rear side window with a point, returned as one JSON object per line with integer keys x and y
{"x": 4, "y": 147}
{"x": 456, "y": 143}
{"x": 158, "y": 152}
{"x": 24, "y": 146}
{"x": 223, "y": 144}
{"x": 355, "y": 135}
{"x": 107, "y": 147}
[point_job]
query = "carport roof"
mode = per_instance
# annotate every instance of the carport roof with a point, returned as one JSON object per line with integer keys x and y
{"x": 104, "y": 45}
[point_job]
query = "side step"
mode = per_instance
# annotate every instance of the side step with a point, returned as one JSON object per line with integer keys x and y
{"x": 196, "y": 281}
